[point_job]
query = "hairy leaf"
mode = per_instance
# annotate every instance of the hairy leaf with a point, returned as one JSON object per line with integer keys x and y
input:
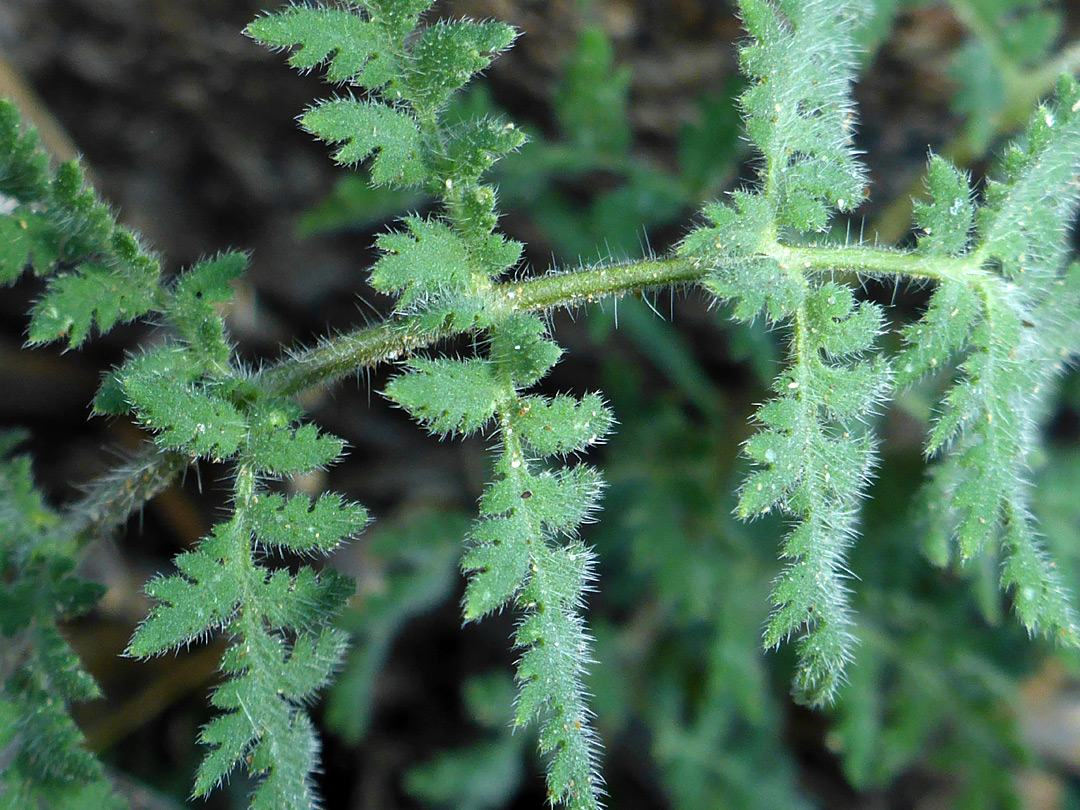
{"x": 947, "y": 219}
{"x": 563, "y": 424}
{"x": 448, "y": 396}
{"x": 192, "y": 305}
{"x": 520, "y": 350}
{"x": 97, "y": 293}
{"x": 201, "y": 598}
{"x": 731, "y": 246}
{"x": 367, "y": 128}
{"x": 301, "y": 525}
{"x": 305, "y": 601}
{"x": 283, "y": 450}
{"x": 1024, "y": 225}
{"x": 798, "y": 107}
{"x": 24, "y": 165}
{"x": 447, "y": 54}
{"x": 474, "y": 146}
{"x": 429, "y": 261}
{"x": 349, "y": 44}
{"x": 185, "y": 416}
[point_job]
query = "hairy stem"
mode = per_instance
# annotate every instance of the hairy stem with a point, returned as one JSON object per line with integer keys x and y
{"x": 398, "y": 336}
{"x": 114, "y": 496}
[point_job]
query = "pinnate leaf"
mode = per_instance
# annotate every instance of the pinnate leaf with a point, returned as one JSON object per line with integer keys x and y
{"x": 1040, "y": 598}
{"x": 940, "y": 334}
{"x": 840, "y": 326}
{"x": 474, "y": 146}
{"x": 264, "y": 724}
{"x": 731, "y": 246}
{"x": 230, "y": 737}
{"x": 563, "y": 424}
{"x": 201, "y": 598}
{"x": 96, "y": 293}
{"x": 24, "y": 165}
{"x": 447, "y": 54}
{"x": 25, "y": 238}
{"x": 426, "y": 262}
{"x": 192, "y": 305}
{"x": 798, "y": 107}
{"x": 302, "y": 525}
{"x": 188, "y": 417}
{"x": 288, "y": 451}
{"x": 338, "y": 37}
{"x": 448, "y": 396}
{"x": 365, "y": 128}
{"x": 497, "y": 563}
{"x": 1024, "y": 224}
{"x": 305, "y": 601}
{"x": 947, "y": 219}
{"x": 550, "y": 672}
{"x": 520, "y": 349}
{"x": 288, "y": 759}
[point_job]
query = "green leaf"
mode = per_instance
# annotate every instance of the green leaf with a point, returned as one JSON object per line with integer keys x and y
{"x": 497, "y": 563}
{"x": 423, "y": 264}
{"x": 1025, "y": 222}
{"x": 947, "y": 219}
{"x": 520, "y": 350}
{"x": 563, "y": 424}
{"x": 942, "y": 332}
{"x": 191, "y": 308}
{"x": 474, "y": 146}
{"x": 53, "y": 747}
{"x": 549, "y": 675}
{"x": 263, "y": 724}
{"x": 556, "y": 501}
{"x": 367, "y": 128}
{"x": 304, "y": 602}
{"x": 231, "y": 737}
{"x": 201, "y": 598}
{"x": 311, "y": 664}
{"x": 841, "y": 327}
{"x": 304, "y": 526}
{"x": 64, "y": 674}
{"x": 814, "y": 461}
{"x": 798, "y": 107}
{"x": 447, "y": 396}
{"x": 287, "y": 451}
{"x": 24, "y": 166}
{"x": 97, "y": 293}
{"x": 291, "y": 757}
{"x": 185, "y": 416}
{"x": 731, "y": 246}
{"x": 347, "y": 43}
{"x": 24, "y": 239}
{"x": 447, "y": 54}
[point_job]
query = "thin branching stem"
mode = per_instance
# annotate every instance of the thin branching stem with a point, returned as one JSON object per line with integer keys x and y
{"x": 114, "y": 496}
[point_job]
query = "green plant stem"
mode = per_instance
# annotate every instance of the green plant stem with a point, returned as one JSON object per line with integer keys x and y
{"x": 880, "y": 263}
{"x": 111, "y": 499}
{"x": 396, "y": 337}
{"x": 588, "y": 284}
{"x": 116, "y": 495}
